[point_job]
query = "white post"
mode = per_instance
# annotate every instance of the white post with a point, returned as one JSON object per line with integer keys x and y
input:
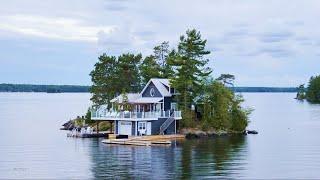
{"x": 136, "y": 128}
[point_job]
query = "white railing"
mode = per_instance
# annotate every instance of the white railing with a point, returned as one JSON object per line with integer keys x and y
{"x": 103, "y": 113}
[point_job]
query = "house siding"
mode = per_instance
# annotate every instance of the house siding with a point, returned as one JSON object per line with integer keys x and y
{"x": 155, "y": 126}
{"x": 167, "y": 103}
{"x": 146, "y": 93}
{"x": 117, "y": 129}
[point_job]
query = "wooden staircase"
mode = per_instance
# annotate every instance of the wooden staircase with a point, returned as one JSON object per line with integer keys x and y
{"x": 166, "y": 124}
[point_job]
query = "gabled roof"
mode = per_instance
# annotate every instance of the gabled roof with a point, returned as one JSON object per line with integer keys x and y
{"x": 162, "y": 85}
{"x": 143, "y": 100}
{"x": 131, "y": 98}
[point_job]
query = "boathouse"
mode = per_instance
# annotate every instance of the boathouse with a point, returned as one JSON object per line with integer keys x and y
{"x": 150, "y": 112}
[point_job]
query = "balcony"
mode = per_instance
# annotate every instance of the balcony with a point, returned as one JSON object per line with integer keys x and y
{"x": 103, "y": 114}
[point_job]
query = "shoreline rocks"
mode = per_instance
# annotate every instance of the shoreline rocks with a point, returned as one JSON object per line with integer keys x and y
{"x": 196, "y": 133}
{"x": 68, "y": 125}
{"x": 252, "y": 132}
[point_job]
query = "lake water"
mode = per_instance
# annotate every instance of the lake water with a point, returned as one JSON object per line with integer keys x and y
{"x": 32, "y": 146}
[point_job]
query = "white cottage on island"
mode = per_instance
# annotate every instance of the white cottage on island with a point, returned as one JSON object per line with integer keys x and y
{"x": 150, "y": 112}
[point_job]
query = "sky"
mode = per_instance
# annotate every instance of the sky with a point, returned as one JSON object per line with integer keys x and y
{"x": 261, "y": 42}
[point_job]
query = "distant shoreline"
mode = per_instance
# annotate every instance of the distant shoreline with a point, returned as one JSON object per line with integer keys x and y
{"x": 44, "y": 88}
{"x": 85, "y": 89}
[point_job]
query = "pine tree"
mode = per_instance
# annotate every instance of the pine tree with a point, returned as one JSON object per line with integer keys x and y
{"x": 102, "y": 77}
{"x": 113, "y": 75}
{"x": 149, "y": 68}
{"x": 161, "y": 54}
{"x": 127, "y": 73}
{"x": 313, "y": 90}
{"x": 191, "y": 69}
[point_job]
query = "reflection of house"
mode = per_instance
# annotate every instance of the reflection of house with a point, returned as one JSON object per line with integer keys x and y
{"x": 152, "y": 111}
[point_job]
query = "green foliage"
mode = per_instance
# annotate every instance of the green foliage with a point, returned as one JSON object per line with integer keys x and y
{"x": 149, "y": 69}
{"x": 222, "y": 110}
{"x": 104, "y": 126}
{"x": 87, "y": 117}
{"x": 301, "y": 94}
{"x": 156, "y": 65}
{"x": 226, "y": 79}
{"x": 79, "y": 122}
{"x": 188, "y": 118}
{"x": 313, "y": 90}
{"x": 186, "y": 67}
{"x": 127, "y": 72}
{"x": 104, "y": 80}
{"x": 190, "y": 66}
{"x": 161, "y": 54}
{"x": 112, "y": 75}
{"x": 239, "y": 116}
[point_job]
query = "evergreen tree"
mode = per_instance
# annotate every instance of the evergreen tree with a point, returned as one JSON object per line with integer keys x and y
{"x": 191, "y": 69}
{"x": 156, "y": 65}
{"x": 227, "y": 79}
{"x": 161, "y": 54}
{"x": 113, "y": 75}
{"x": 103, "y": 78}
{"x": 149, "y": 68}
{"x": 313, "y": 91}
{"x": 129, "y": 79}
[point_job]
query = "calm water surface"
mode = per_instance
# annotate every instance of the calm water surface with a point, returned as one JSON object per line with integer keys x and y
{"x": 31, "y": 146}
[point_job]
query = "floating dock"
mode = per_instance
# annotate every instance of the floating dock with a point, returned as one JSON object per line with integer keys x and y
{"x": 146, "y": 140}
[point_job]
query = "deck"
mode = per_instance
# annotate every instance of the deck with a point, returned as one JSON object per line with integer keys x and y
{"x": 146, "y": 140}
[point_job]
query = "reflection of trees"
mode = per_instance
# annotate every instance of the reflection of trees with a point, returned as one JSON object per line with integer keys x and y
{"x": 216, "y": 157}
{"x": 128, "y": 162}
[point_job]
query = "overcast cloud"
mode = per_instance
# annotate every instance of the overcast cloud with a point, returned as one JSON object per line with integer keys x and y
{"x": 263, "y": 43}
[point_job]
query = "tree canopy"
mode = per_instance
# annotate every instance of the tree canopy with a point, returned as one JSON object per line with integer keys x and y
{"x": 313, "y": 90}
{"x": 113, "y": 75}
{"x": 187, "y": 68}
{"x": 222, "y": 108}
{"x": 227, "y": 79}
{"x": 190, "y": 65}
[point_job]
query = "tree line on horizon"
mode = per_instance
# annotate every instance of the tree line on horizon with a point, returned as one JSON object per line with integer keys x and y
{"x": 7, "y": 87}
{"x": 186, "y": 66}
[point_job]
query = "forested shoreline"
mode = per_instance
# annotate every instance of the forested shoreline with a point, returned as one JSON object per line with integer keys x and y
{"x": 43, "y": 88}
{"x": 6, "y": 87}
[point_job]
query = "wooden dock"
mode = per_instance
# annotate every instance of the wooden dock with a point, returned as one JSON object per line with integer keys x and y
{"x": 146, "y": 140}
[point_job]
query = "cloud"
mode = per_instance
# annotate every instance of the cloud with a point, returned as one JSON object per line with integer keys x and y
{"x": 258, "y": 34}
{"x": 271, "y": 37}
{"x": 52, "y": 28}
{"x": 276, "y": 51}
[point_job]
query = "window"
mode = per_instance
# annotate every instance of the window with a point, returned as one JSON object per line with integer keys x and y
{"x": 152, "y": 92}
{"x": 174, "y": 106}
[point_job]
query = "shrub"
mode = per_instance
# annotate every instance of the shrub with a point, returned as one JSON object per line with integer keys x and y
{"x": 222, "y": 109}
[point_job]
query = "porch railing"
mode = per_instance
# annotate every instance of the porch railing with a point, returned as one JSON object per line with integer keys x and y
{"x": 101, "y": 113}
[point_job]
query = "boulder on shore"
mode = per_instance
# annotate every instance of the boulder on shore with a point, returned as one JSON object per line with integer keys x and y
{"x": 196, "y": 133}
{"x": 68, "y": 125}
{"x": 252, "y": 132}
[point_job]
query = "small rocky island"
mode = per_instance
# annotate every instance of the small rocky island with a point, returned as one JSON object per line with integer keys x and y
{"x": 168, "y": 92}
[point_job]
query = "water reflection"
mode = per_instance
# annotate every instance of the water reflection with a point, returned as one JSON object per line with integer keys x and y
{"x": 216, "y": 157}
